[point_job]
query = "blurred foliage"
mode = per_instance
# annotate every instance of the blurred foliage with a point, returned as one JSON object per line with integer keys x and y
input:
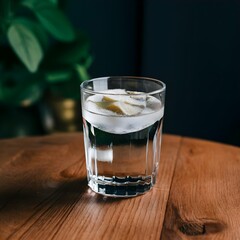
{"x": 40, "y": 52}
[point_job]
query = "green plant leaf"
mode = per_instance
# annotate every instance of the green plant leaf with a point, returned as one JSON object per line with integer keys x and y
{"x": 58, "y": 75}
{"x": 18, "y": 87}
{"x": 55, "y": 2}
{"x": 25, "y": 45}
{"x": 69, "y": 53}
{"x": 52, "y": 18}
{"x": 82, "y": 72}
{"x": 36, "y": 28}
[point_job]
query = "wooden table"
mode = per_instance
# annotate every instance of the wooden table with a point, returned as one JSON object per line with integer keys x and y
{"x": 44, "y": 193}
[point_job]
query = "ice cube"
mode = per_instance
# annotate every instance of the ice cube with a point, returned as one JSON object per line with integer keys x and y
{"x": 102, "y": 155}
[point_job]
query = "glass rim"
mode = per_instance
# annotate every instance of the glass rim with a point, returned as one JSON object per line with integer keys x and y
{"x": 162, "y": 89}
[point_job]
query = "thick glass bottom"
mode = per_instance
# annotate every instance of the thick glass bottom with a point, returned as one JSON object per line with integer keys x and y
{"x": 121, "y": 186}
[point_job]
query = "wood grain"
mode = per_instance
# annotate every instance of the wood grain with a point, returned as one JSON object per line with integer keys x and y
{"x": 44, "y": 193}
{"x": 204, "y": 201}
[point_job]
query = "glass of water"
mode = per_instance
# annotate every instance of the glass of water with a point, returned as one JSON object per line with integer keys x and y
{"x": 122, "y": 124}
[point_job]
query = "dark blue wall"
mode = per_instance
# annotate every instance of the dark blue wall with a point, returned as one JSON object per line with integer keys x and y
{"x": 193, "y": 46}
{"x": 113, "y": 29}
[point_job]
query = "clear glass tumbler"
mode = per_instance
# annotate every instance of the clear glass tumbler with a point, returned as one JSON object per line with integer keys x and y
{"x": 122, "y": 124}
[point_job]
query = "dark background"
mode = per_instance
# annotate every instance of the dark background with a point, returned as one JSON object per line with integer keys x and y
{"x": 193, "y": 46}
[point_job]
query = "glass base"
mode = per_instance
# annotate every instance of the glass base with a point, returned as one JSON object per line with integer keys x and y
{"x": 121, "y": 186}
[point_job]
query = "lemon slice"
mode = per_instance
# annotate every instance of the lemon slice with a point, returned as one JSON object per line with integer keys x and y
{"x": 120, "y": 101}
{"x": 124, "y": 108}
{"x": 115, "y": 95}
{"x": 129, "y": 97}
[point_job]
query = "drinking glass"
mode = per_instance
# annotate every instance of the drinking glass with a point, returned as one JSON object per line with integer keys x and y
{"x": 122, "y": 125}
